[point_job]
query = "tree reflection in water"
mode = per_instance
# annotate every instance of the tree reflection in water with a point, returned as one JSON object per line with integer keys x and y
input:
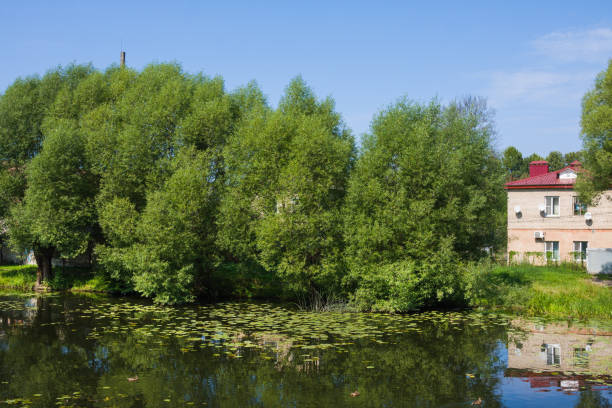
{"x": 84, "y": 358}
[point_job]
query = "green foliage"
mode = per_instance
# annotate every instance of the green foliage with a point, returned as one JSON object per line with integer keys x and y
{"x": 573, "y": 156}
{"x": 426, "y": 192}
{"x": 513, "y": 163}
{"x": 57, "y": 210}
{"x": 182, "y": 189}
{"x": 555, "y": 161}
{"x": 175, "y": 252}
{"x": 517, "y": 168}
{"x": 23, "y": 108}
{"x": 596, "y": 123}
{"x": 246, "y": 280}
{"x": 287, "y": 172}
{"x": 156, "y": 145}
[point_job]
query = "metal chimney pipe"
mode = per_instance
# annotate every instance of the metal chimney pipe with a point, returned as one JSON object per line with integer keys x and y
{"x": 122, "y": 59}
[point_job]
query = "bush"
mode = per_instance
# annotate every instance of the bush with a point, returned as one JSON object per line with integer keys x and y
{"x": 410, "y": 285}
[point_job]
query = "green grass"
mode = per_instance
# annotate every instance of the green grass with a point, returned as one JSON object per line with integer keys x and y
{"x": 23, "y": 278}
{"x": 563, "y": 291}
{"x": 17, "y": 277}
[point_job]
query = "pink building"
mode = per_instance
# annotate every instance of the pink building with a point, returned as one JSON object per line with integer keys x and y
{"x": 547, "y": 221}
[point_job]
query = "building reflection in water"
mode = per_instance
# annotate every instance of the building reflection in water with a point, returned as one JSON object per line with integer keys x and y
{"x": 557, "y": 355}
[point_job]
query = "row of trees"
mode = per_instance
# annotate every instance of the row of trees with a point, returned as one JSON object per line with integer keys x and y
{"x": 517, "y": 167}
{"x": 180, "y": 189}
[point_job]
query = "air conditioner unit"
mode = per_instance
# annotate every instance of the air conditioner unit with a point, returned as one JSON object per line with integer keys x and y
{"x": 538, "y": 234}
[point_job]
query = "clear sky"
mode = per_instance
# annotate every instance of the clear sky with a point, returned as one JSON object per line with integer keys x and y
{"x": 532, "y": 60}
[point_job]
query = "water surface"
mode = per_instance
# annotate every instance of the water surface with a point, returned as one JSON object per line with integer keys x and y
{"x": 83, "y": 351}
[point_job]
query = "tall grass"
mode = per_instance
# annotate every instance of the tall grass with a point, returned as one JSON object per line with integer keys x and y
{"x": 23, "y": 278}
{"x": 18, "y": 277}
{"x": 316, "y": 301}
{"x": 563, "y": 291}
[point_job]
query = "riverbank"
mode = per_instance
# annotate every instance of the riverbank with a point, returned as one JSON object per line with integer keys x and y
{"x": 560, "y": 292}
{"x": 563, "y": 291}
{"x": 22, "y": 278}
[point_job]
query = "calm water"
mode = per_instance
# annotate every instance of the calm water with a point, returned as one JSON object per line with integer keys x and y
{"x": 79, "y": 351}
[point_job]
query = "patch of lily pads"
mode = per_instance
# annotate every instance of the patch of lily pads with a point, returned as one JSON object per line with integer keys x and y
{"x": 266, "y": 326}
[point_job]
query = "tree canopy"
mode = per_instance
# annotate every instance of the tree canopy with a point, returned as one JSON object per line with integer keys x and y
{"x": 287, "y": 171}
{"x": 426, "y": 192}
{"x": 179, "y": 189}
{"x": 596, "y": 136}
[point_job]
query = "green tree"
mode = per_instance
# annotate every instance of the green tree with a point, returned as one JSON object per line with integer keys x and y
{"x": 287, "y": 176}
{"x": 555, "y": 161}
{"x": 425, "y": 193}
{"x": 30, "y": 109}
{"x": 173, "y": 252}
{"x": 22, "y": 110}
{"x": 140, "y": 143}
{"x": 57, "y": 212}
{"x": 570, "y": 157}
{"x": 513, "y": 163}
{"x": 596, "y": 136}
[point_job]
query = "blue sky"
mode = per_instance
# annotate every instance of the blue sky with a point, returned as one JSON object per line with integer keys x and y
{"x": 532, "y": 60}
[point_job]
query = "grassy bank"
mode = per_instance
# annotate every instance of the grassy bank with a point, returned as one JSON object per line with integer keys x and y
{"x": 22, "y": 278}
{"x": 563, "y": 291}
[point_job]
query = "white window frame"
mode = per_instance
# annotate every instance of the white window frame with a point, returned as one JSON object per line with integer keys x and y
{"x": 550, "y": 206}
{"x": 553, "y": 354}
{"x": 580, "y": 248}
{"x": 549, "y": 247}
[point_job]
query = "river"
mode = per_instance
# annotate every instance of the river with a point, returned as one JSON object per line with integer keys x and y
{"x": 90, "y": 351}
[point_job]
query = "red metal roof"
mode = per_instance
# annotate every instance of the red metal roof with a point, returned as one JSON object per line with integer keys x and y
{"x": 547, "y": 180}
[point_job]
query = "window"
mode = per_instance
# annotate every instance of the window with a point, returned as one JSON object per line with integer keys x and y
{"x": 552, "y": 206}
{"x": 552, "y": 250}
{"x": 581, "y": 357}
{"x": 579, "y": 207}
{"x": 553, "y": 354}
{"x": 580, "y": 248}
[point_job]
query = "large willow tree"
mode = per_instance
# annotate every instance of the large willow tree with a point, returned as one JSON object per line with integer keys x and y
{"x": 426, "y": 192}
{"x": 157, "y": 147}
{"x": 45, "y": 183}
{"x": 287, "y": 174}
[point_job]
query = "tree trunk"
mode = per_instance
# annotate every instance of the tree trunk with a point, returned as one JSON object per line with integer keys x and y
{"x": 44, "y": 271}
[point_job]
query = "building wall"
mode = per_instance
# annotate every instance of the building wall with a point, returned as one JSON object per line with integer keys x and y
{"x": 10, "y": 257}
{"x": 565, "y": 228}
